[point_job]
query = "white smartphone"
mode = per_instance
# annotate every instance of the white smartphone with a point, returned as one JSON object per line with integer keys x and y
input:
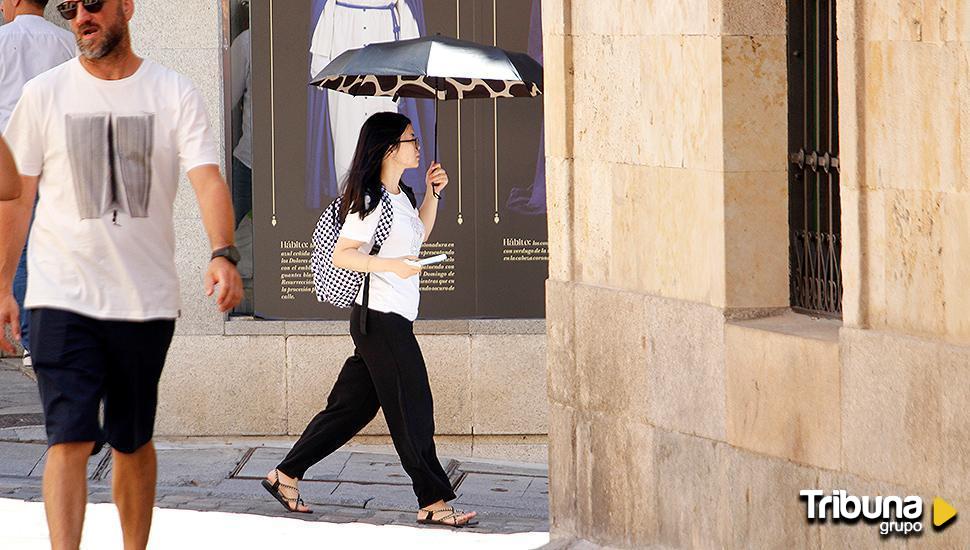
{"x": 430, "y": 260}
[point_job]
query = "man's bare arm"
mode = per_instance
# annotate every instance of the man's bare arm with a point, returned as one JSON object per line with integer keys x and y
{"x": 215, "y": 202}
{"x": 10, "y": 184}
{"x": 14, "y": 223}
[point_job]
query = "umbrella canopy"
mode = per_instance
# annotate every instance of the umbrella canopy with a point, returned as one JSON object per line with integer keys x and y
{"x": 432, "y": 67}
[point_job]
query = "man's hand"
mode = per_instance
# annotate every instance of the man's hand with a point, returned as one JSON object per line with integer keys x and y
{"x": 223, "y": 274}
{"x": 9, "y": 315}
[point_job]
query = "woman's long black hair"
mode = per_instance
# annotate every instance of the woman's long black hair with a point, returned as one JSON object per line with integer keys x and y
{"x": 381, "y": 133}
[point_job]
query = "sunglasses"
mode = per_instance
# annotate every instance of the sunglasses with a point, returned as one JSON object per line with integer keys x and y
{"x": 68, "y": 8}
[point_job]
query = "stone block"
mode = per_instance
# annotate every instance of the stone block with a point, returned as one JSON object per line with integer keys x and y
{"x": 666, "y": 228}
{"x": 534, "y": 449}
{"x": 758, "y": 502}
{"x": 605, "y": 92}
{"x": 561, "y": 378}
{"x": 783, "y": 393}
{"x": 891, "y": 407}
{"x": 955, "y": 427}
{"x": 687, "y": 17}
{"x": 238, "y": 326}
{"x": 621, "y": 468}
{"x": 685, "y": 385}
{"x": 755, "y": 95}
{"x": 317, "y": 328}
{"x": 956, "y": 269}
{"x": 607, "y": 17}
{"x": 914, "y": 280}
{"x": 562, "y": 468}
{"x": 554, "y": 17}
{"x": 452, "y": 326}
{"x": 559, "y": 193}
{"x": 155, "y": 26}
{"x": 687, "y": 472}
{"x": 558, "y": 94}
{"x": 509, "y": 384}
{"x": 592, "y": 221}
{"x": 753, "y": 17}
{"x": 214, "y": 385}
{"x": 757, "y": 240}
{"x": 837, "y": 535}
{"x": 679, "y": 103}
{"x": 900, "y": 76}
{"x": 584, "y": 488}
{"x": 611, "y": 351}
{"x": 510, "y": 327}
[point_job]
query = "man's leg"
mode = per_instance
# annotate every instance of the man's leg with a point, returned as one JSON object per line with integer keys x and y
{"x": 69, "y": 369}
{"x": 136, "y": 356}
{"x": 133, "y": 488}
{"x": 66, "y": 492}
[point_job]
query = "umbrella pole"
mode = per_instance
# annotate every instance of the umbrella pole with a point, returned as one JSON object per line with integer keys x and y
{"x": 437, "y": 84}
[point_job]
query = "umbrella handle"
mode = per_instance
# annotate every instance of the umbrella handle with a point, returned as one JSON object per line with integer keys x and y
{"x": 437, "y": 84}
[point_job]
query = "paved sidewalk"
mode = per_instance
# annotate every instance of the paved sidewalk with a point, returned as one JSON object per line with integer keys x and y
{"x": 361, "y": 484}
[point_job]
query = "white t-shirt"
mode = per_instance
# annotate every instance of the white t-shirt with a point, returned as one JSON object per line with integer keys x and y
{"x": 388, "y": 292}
{"x": 29, "y": 46}
{"x": 108, "y": 154}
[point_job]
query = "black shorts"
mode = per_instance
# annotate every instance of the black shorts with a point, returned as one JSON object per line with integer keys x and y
{"x": 80, "y": 362}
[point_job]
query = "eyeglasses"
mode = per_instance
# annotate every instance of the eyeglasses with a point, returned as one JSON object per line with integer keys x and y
{"x": 414, "y": 141}
{"x": 68, "y": 8}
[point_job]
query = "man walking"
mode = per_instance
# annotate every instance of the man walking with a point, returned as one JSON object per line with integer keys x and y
{"x": 29, "y": 46}
{"x": 103, "y": 138}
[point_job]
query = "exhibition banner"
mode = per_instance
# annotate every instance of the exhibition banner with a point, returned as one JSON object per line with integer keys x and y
{"x": 492, "y": 218}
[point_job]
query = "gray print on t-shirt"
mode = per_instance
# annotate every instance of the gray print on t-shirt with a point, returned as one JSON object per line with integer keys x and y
{"x": 111, "y": 159}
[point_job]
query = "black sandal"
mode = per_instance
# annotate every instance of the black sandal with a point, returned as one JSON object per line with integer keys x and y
{"x": 274, "y": 489}
{"x": 430, "y": 519}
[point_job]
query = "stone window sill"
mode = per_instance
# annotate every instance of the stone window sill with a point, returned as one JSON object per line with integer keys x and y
{"x": 795, "y": 324}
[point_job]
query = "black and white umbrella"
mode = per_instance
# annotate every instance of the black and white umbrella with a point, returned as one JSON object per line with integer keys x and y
{"x": 433, "y": 67}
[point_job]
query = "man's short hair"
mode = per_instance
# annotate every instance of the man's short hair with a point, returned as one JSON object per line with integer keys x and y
{"x": 42, "y": 4}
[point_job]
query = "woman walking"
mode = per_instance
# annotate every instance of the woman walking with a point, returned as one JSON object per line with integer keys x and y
{"x": 387, "y": 369}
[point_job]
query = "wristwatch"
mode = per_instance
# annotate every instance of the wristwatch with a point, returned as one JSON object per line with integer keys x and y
{"x": 230, "y": 253}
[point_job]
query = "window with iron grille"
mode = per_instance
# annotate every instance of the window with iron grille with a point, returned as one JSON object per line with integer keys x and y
{"x": 815, "y": 245}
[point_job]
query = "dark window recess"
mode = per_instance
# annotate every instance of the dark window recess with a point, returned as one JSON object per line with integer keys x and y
{"x": 813, "y": 143}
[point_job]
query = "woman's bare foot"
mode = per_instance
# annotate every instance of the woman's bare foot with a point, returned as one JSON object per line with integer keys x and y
{"x": 289, "y": 489}
{"x": 442, "y": 514}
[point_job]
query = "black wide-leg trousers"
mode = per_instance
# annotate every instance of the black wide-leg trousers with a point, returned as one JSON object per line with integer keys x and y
{"x": 386, "y": 371}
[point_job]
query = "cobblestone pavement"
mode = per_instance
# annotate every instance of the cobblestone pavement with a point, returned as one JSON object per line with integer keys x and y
{"x": 354, "y": 485}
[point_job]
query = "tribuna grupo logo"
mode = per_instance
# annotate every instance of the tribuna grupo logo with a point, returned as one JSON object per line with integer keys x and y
{"x": 895, "y": 515}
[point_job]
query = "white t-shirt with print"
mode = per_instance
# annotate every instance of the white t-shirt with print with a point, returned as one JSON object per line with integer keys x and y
{"x": 388, "y": 292}
{"x": 108, "y": 153}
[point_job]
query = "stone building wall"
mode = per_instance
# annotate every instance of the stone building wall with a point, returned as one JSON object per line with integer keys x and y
{"x": 688, "y": 405}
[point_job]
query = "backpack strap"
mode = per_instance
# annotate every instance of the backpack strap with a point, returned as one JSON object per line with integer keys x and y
{"x": 380, "y": 235}
{"x": 410, "y": 194}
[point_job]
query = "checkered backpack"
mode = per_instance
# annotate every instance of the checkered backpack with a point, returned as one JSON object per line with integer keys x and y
{"x": 332, "y": 284}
